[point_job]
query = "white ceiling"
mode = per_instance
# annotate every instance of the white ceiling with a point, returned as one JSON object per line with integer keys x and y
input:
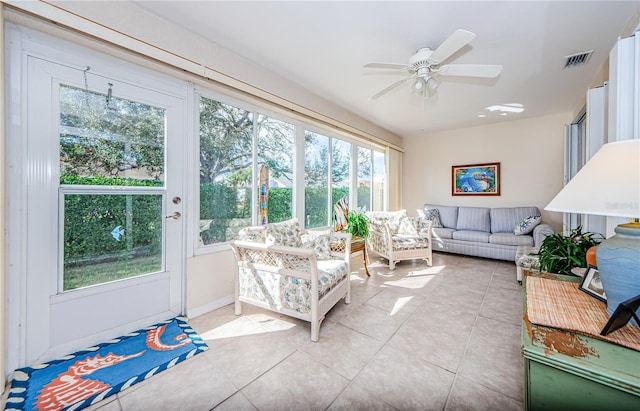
{"x": 324, "y": 45}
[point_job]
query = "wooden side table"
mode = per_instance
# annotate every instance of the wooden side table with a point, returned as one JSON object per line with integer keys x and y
{"x": 565, "y": 370}
{"x": 360, "y": 245}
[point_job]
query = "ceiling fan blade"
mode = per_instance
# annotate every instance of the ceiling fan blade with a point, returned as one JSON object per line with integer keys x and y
{"x": 391, "y": 87}
{"x": 455, "y": 42}
{"x": 471, "y": 70}
{"x": 386, "y": 66}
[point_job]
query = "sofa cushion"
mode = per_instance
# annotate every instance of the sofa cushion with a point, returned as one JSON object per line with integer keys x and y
{"x": 293, "y": 293}
{"x": 527, "y": 225}
{"x": 409, "y": 242}
{"x": 474, "y": 218}
{"x": 505, "y": 219}
{"x": 511, "y": 239}
{"x": 469, "y": 235}
{"x": 448, "y": 214}
{"x": 446, "y": 233}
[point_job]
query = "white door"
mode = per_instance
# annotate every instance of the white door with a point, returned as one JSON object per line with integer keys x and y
{"x": 103, "y": 184}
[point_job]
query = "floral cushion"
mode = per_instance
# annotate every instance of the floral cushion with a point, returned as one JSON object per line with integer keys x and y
{"x": 285, "y": 233}
{"x": 408, "y": 226}
{"x": 320, "y": 242}
{"x": 392, "y": 218}
{"x": 527, "y": 225}
{"x": 409, "y": 242}
{"x": 255, "y": 234}
{"x": 283, "y": 291}
{"x": 433, "y": 214}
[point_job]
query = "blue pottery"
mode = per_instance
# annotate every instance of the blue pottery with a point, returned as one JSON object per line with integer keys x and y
{"x": 619, "y": 266}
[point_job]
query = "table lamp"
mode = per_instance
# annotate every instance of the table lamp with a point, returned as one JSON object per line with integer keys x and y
{"x": 609, "y": 185}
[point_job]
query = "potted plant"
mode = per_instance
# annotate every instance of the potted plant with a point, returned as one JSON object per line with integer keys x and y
{"x": 559, "y": 253}
{"x": 357, "y": 224}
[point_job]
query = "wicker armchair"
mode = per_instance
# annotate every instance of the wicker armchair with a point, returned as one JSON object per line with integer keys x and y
{"x": 291, "y": 272}
{"x": 396, "y": 237}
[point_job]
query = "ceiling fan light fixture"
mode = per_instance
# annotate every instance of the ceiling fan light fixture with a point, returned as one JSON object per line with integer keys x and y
{"x": 432, "y": 83}
{"x": 418, "y": 86}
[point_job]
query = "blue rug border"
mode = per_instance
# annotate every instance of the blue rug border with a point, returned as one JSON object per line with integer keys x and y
{"x": 17, "y": 397}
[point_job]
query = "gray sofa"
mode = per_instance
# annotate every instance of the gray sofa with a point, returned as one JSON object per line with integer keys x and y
{"x": 485, "y": 232}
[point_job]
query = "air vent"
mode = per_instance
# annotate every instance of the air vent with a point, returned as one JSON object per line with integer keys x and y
{"x": 577, "y": 59}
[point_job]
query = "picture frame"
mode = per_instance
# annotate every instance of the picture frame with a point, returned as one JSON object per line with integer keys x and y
{"x": 475, "y": 180}
{"x": 592, "y": 285}
{"x": 623, "y": 313}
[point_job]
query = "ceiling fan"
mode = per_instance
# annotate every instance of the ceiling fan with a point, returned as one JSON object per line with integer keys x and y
{"x": 425, "y": 66}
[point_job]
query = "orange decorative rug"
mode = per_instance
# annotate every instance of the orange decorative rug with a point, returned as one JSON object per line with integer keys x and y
{"x": 561, "y": 304}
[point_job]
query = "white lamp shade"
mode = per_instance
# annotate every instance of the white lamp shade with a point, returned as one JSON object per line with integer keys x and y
{"x": 608, "y": 185}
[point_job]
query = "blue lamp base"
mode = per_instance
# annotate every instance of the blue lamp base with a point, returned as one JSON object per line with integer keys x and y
{"x": 619, "y": 266}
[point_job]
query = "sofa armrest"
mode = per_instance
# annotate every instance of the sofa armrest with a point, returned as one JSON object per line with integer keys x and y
{"x": 540, "y": 232}
{"x": 425, "y": 230}
{"x": 380, "y": 236}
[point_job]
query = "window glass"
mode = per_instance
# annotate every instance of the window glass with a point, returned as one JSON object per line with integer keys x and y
{"x": 340, "y": 170}
{"x": 276, "y": 145}
{"x": 229, "y": 201}
{"x": 364, "y": 178}
{"x": 110, "y": 237}
{"x": 109, "y": 141}
{"x": 226, "y": 160}
{"x": 379, "y": 180}
{"x": 316, "y": 180}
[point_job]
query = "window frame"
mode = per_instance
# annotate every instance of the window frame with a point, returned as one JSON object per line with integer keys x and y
{"x": 300, "y": 129}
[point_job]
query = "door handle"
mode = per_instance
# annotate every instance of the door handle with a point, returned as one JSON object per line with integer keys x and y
{"x": 175, "y": 215}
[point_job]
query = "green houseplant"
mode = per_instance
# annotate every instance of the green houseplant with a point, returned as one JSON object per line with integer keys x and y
{"x": 357, "y": 224}
{"x": 559, "y": 253}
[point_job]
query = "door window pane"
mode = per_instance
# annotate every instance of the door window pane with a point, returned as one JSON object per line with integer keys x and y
{"x": 276, "y": 145}
{"x": 226, "y": 159}
{"x": 316, "y": 180}
{"x": 109, "y": 237}
{"x": 110, "y": 141}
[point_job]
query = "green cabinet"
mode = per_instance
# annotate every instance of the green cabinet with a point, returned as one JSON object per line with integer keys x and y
{"x": 564, "y": 370}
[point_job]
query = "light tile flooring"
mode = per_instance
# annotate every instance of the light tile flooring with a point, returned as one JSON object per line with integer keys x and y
{"x": 445, "y": 337}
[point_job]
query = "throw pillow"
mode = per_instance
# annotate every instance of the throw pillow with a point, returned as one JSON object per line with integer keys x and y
{"x": 285, "y": 233}
{"x": 256, "y": 234}
{"x": 527, "y": 225}
{"x": 408, "y": 226}
{"x": 433, "y": 214}
{"x": 319, "y": 242}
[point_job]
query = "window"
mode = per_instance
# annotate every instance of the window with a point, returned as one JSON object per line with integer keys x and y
{"x": 226, "y": 162}
{"x": 364, "y": 178}
{"x": 340, "y": 170}
{"x": 236, "y": 141}
{"x": 276, "y": 145}
{"x": 111, "y": 158}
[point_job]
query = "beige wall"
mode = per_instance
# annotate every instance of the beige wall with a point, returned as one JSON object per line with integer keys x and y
{"x": 530, "y": 153}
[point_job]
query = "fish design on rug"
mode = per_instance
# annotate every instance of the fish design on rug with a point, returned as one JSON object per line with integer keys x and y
{"x": 154, "y": 342}
{"x": 68, "y": 388}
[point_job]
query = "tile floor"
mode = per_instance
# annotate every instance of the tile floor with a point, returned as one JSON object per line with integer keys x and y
{"x": 445, "y": 337}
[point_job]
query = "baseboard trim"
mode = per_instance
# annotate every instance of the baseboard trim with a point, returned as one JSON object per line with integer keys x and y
{"x": 214, "y": 305}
